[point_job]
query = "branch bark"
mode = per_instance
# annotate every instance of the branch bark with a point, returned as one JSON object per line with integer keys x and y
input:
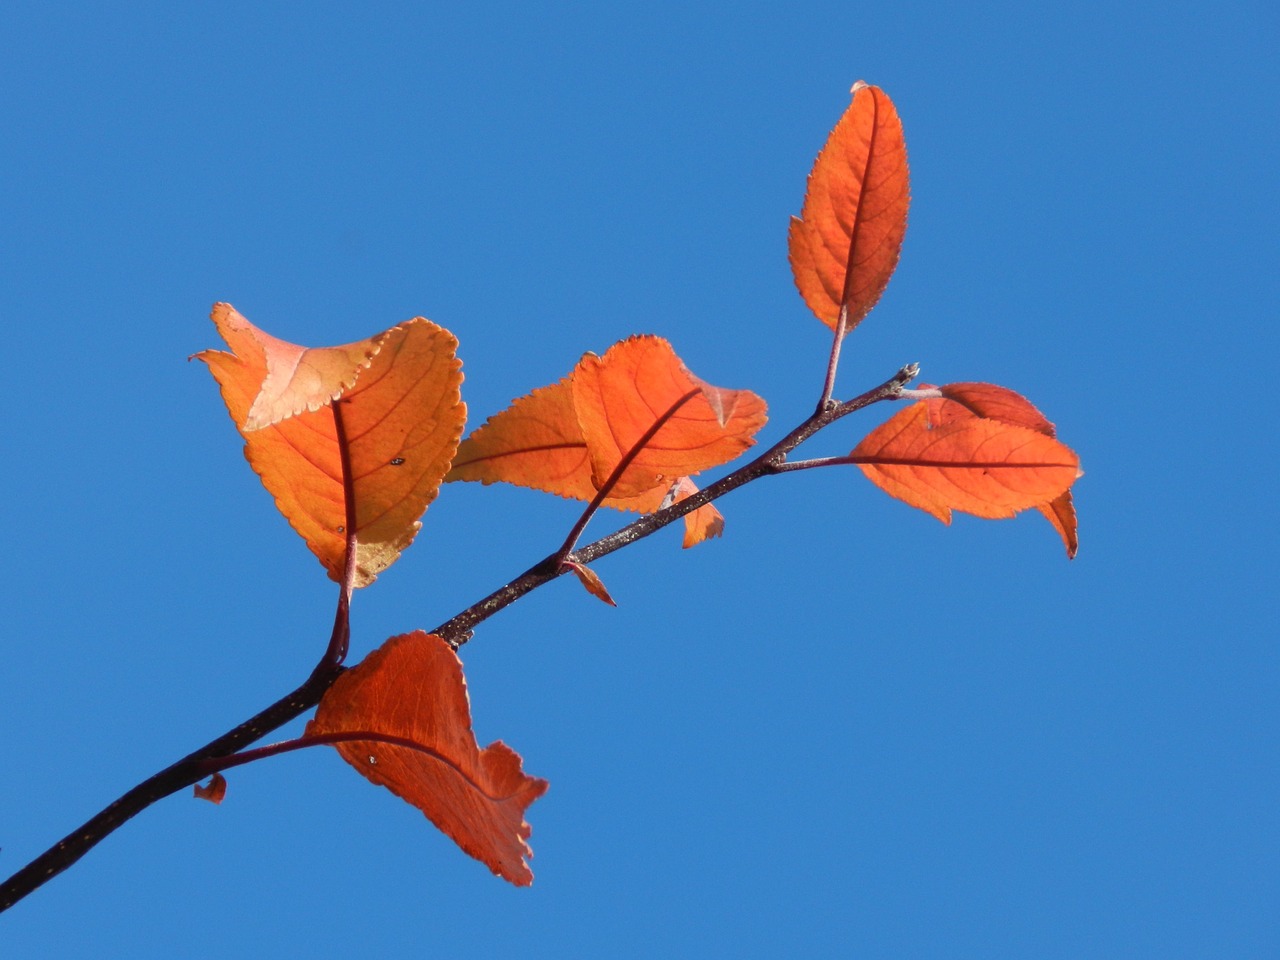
{"x": 456, "y": 631}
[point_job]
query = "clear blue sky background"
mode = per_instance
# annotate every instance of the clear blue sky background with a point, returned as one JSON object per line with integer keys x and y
{"x": 843, "y": 730}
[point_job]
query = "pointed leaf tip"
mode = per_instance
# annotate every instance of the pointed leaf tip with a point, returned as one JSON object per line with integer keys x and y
{"x": 591, "y": 581}
{"x": 987, "y": 400}
{"x": 411, "y": 688}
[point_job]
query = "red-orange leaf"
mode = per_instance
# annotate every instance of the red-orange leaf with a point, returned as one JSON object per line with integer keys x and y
{"x": 567, "y": 438}
{"x": 1061, "y": 512}
{"x": 536, "y": 442}
{"x": 621, "y": 396}
{"x": 990, "y": 402}
{"x": 984, "y": 467}
{"x": 402, "y": 419}
{"x": 412, "y": 689}
{"x": 214, "y": 791}
{"x": 961, "y": 400}
{"x": 700, "y": 524}
{"x": 844, "y": 245}
{"x": 591, "y": 580}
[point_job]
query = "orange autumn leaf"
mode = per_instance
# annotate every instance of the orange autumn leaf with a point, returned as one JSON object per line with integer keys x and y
{"x": 411, "y": 690}
{"x": 621, "y": 396}
{"x": 536, "y": 442}
{"x": 989, "y": 401}
{"x": 568, "y": 438}
{"x": 214, "y": 791}
{"x": 960, "y": 400}
{"x": 701, "y": 524}
{"x": 402, "y": 419}
{"x": 844, "y": 245}
{"x": 984, "y": 467}
{"x": 1061, "y": 513}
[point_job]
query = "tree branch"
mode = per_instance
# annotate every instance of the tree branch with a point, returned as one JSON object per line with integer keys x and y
{"x": 456, "y": 631}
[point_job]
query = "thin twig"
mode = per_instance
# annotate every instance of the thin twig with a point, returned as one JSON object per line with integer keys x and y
{"x": 177, "y": 776}
{"x": 190, "y": 768}
{"x": 829, "y": 384}
{"x": 457, "y": 630}
{"x": 791, "y": 466}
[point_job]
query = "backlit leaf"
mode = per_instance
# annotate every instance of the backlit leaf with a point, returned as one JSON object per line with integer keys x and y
{"x": 536, "y": 442}
{"x": 403, "y": 418}
{"x": 989, "y": 401}
{"x": 960, "y": 400}
{"x": 844, "y": 245}
{"x": 620, "y": 396}
{"x": 214, "y": 791}
{"x": 568, "y": 438}
{"x": 412, "y": 689}
{"x": 700, "y": 524}
{"x": 984, "y": 467}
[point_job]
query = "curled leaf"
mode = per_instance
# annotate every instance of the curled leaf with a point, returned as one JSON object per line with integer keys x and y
{"x": 1061, "y": 513}
{"x": 985, "y": 467}
{"x": 411, "y": 690}
{"x": 844, "y": 246}
{"x": 591, "y": 580}
{"x": 214, "y": 791}
{"x": 402, "y": 420}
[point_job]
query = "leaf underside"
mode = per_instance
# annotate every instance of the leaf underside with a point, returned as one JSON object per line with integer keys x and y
{"x": 403, "y": 416}
{"x": 984, "y": 467}
{"x": 412, "y": 688}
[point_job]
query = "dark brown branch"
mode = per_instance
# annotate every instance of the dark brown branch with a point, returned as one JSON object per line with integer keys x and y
{"x": 190, "y": 768}
{"x": 175, "y": 777}
{"x": 195, "y": 766}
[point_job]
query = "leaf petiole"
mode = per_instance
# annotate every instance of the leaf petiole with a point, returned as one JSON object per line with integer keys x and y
{"x": 341, "y": 636}
{"x": 829, "y": 384}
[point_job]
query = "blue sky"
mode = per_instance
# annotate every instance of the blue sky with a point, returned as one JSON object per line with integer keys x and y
{"x": 842, "y": 730}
